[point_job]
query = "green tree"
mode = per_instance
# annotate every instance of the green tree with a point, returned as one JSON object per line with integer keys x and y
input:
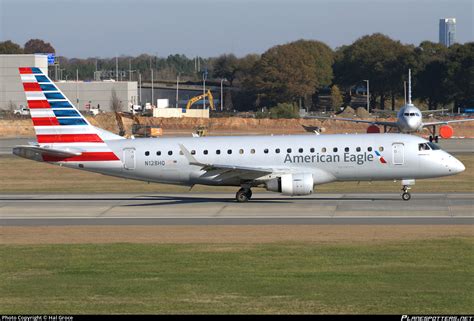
{"x": 432, "y": 73}
{"x": 284, "y": 110}
{"x": 33, "y": 46}
{"x": 226, "y": 66}
{"x": 336, "y": 98}
{"x": 460, "y": 62}
{"x": 9, "y": 47}
{"x": 381, "y": 60}
{"x": 284, "y": 73}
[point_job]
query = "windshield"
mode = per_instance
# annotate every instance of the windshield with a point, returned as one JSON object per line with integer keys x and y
{"x": 433, "y": 146}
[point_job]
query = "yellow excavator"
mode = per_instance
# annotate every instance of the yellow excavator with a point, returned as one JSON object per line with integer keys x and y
{"x": 138, "y": 130}
{"x": 198, "y": 98}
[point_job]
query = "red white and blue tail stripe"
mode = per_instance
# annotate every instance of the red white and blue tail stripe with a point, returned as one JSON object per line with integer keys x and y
{"x": 58, "y": 124}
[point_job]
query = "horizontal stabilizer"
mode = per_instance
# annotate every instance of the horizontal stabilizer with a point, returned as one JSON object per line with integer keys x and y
{"x": 36, "y": 152}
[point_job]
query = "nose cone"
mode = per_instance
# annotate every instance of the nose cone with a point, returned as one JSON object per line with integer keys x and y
{"x": 457, "y": 166}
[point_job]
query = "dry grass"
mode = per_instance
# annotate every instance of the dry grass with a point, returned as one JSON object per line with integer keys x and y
{"x": 226, "y": 235}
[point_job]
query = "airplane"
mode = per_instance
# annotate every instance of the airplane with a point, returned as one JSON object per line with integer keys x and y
{"x": 291, "y": 165}
{"x": 409, "y": 120}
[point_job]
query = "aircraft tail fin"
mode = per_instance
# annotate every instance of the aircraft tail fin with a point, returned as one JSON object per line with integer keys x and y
{"x": 57, "y": 122}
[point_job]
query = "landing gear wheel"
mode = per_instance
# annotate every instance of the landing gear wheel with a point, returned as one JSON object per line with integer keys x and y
{"x": 431, "y": 139}
{"x": 249, "y": 194}
{"x": 243, "y": 195}
{"x": 406, "y": 196}
{"x": 436, "y": 138}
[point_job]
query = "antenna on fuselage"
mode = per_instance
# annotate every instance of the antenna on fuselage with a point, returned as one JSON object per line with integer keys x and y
{"x": 409, "y": 86}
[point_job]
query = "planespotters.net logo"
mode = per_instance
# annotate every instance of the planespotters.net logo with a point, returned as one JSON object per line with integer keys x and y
{"x": 437, "y": 318}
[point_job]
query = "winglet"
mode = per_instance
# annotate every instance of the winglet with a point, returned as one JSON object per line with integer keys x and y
{"x": 189, "y": 157}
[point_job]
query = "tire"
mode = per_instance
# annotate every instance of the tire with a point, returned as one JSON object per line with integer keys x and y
{"x": 406, "y": 196}
{"x": 242, "y": 196}
{"x": 249, "y": 194}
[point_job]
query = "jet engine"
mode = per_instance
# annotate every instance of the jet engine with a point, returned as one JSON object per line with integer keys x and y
{"x": 292, "y": 184}
{"x": 446, "y": 131}
{"x": 373, "y": 129}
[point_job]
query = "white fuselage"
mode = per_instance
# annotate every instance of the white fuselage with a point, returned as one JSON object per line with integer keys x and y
{"x": 409, "y": 119}
{"x": 327, "y": 158}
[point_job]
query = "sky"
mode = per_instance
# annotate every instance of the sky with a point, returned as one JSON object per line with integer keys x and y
{"x": 208, "y": 28}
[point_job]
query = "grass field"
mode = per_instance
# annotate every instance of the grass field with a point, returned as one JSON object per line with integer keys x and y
{"x": 19, "y": 175}
{"x": 414, "y": 277}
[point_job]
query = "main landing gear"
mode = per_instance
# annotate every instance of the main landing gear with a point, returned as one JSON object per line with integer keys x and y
{"x": 406, "y": 195}
{"x": 243, "y": 195}
{"x": 434, "y": 138}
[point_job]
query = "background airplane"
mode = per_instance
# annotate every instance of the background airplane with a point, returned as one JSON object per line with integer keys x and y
{"x": 409, "y": 120}
{"x": 291, "y": 165}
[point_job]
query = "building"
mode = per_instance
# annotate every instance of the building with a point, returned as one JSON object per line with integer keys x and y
{"x": 86, "y": 94}
{"x": 447, "y": 31}
{"x": 11, "y": 87}
{"x": 83, "y": 94}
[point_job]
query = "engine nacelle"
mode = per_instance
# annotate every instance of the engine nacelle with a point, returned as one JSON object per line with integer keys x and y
{"x": 292, "y": 184}
{"x": 373, "y": 129}
{"x": 446, "y": 131}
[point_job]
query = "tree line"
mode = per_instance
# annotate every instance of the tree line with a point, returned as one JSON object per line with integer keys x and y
{"x": 296, "y": 73}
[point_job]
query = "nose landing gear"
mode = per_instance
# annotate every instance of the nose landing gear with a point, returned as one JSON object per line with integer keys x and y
{"x": 243, "y": 195}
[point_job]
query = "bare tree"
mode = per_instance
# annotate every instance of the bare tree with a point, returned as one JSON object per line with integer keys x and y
{"x": 115, "y": 103}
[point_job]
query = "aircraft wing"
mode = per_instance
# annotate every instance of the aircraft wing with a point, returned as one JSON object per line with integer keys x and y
{"x": 373, "y": 122}
{"x": 28, "y": 151}
{"x": 225, "y": 172}
{"x": 445, "y": 122}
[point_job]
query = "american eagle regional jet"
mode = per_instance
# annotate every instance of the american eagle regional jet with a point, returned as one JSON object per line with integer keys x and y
{"x": 409, "y": 120}
{"x": 291, "y": 165}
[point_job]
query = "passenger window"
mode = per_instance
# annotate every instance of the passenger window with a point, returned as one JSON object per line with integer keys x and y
{"x": 241, "y": 151}
{"x": 346, "y": 149}
{"x": 265, "y": 150}
{"x": 312, "y": 150}
{"x": 193, "y": 152}
{"x": 334, "y": 149}
{"x": 170, "y": 152}
{"x": 323, "y": 150}
{"x": 252, "y": 151}
{"x": 300, "y": 150}
{"x": 229, "y": 151}
{"x": 381, "y": 148}
{"x": 277, "y": 151}
{"x": 218, "y": 151}
{"x": 147, "y": 153}
{"x": 205, "y": 152}
{"x": 288, "y": 150}
{"x": 158, "y": 153}
{"x": 358, "y": 149}
{"x": 369, "y": 149}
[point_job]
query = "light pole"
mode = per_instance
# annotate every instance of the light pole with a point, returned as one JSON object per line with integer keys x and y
{"x": 204, "y": 77}
{"x": 177, "y": 89}
{"x": 368, "y": 96}
{"x": 152, "y": 89}
{"x": 222, "y": 94}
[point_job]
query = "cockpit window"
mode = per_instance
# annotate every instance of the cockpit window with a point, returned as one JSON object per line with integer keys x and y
{"x": 417, "y": 114}
{"x": 433, "y": 146}
{"x": 423, "y": 146}
{"x": 412, "y": 114}
{"x": 406, "y": 114}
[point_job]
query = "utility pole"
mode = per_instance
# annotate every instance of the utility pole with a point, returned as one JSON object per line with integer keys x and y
{"x": 116, "y": 68}
{"x": 222, "y": 94}
{"x": 140, "y": 88}
{"x": 177, "y": 89}
{"x": 368, "y": 96}
{"x": 204, "y": 77}
{"x": 152, "y": 89}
